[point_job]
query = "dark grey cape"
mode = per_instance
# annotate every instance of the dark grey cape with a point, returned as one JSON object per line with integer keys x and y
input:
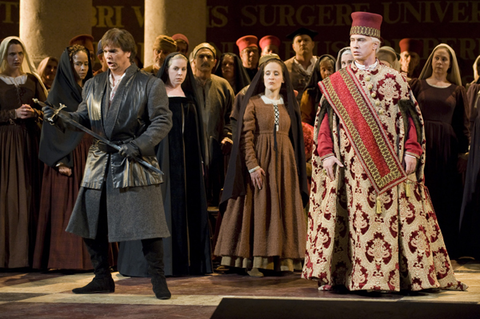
{"x": 138, "y": 113}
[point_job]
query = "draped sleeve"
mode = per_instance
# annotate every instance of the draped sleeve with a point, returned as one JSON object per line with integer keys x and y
{"x": 247, "y": 143}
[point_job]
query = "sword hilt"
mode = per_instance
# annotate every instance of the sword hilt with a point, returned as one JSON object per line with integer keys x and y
{"x": 57, "y": 110}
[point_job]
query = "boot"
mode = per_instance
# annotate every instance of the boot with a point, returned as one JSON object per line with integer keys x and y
{"x": 153, "y": 252}
{"x": 97, "y": 286}
{"x": 103, "y": 281}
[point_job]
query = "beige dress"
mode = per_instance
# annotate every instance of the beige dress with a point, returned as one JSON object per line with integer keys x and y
{"x": 265, "y": 228}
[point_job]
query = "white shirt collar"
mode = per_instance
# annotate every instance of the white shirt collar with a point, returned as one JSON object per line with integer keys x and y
{"x": 363, "y": 67}
{"x": 267, "y": 100}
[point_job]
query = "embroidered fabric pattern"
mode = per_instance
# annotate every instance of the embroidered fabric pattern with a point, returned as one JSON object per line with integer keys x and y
{"x": 368, "y": 31}
{"x": 377, "y": 157}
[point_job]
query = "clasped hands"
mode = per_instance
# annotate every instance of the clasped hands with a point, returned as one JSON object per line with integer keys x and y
{"x": 24, "y": 112}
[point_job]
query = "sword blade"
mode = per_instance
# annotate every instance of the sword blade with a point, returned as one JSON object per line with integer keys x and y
{"x": 99, "y": 137}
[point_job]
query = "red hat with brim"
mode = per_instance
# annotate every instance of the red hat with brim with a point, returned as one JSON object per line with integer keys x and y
{"x": 366, "y": 23}
{"x": 83, "y": 39}
{"x": 268, "y": 40}
{"x": 247, "y": 41}
{"x": 411, "y": 45}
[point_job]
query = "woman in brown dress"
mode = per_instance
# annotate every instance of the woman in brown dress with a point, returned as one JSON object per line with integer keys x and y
{"x": 441, "y": 97}
{"x": 20, "y": 170}
{"x": 64, "y": 155}
{"x": 264, "y": 226}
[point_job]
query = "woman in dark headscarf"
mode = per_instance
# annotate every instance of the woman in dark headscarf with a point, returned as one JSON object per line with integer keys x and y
{"x": 187, "y": 251}
{"x": 20, "y": 170}
{"x": 230, "y": 68}
{"x": 264, "y": 226}
{"x": 324, "y": 67}
{"x": 64, "y": 155}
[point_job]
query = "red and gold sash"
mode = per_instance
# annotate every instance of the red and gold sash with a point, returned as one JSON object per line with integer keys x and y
{"x": 364, "y": 130}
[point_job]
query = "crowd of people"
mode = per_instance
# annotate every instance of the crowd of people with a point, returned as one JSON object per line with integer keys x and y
{"x": 357, "y": 170}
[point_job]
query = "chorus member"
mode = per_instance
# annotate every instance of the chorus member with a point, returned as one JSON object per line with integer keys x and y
{"x": 269, "y": 44}
{"x": 344, "y": 58}
{"x": 47, "y": 69}
{"x": 64, "y": 155}
{"x": 324, "y": 67}
{"x": 191, "y": 253}
{"x": 264, "y": 226}
{"x": 101, "y": 58}
{"x": 410, "y": 54}
{"x": 215, "y": 98}
{"x": 163, "y": 46}
{"x": 182, "y": 43}
{"x": 20, "y": 170}
{"x": 87, "y": 41}
{"x": 442, "y": 100}
{"x": 119, "y": 199}
{"x": 370, "y": 222}
{"x": 249, "y": 53}
{"x": 300, "y": 67}
{"x": 469, "y": 239}
{"x": 180, "y": 155}
{"x": 388, "y": 56}
{"x": 230, "y": 68}
{"x": 472, "y": 94}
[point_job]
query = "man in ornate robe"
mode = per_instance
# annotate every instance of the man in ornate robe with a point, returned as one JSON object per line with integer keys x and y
{"x": 371, "y": 222}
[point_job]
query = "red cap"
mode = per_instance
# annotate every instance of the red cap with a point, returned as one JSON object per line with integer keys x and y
{"x": 247, "y": 41}
{"x": 180, "y": 36}
{"x": 412, "y": 45}
{"x": 83, "y": 39}
{"x": 269, "y": 39}
{"x": 366, "y": 23}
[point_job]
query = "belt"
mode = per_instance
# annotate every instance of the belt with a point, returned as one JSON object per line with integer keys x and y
{"x": 104, "y": 147}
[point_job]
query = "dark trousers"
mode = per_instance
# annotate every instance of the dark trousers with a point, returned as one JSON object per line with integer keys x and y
{"x": 98, "y": 248}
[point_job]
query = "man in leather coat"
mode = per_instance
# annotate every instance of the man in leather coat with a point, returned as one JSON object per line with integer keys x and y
{"x": 119, "y": 199}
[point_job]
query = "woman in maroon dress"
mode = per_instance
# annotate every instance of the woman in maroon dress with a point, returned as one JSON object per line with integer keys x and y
{"x": 20, "y": 170}
{"x": 64, "y": 166}
{"x": 441, "y": 97}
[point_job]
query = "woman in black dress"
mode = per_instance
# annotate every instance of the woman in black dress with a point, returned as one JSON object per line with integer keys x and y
{"x": 187, "y": 251}
{"x": 441, "y": 97}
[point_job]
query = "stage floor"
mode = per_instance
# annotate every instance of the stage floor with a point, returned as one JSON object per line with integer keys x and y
{"x": 48, "y": 294}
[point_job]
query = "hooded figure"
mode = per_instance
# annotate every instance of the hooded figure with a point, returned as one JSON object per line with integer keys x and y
{"x": 56, "y": 248}
{"x": 55, "y": 145}
{"x": 240, "y": 75}
{"x": 344, "y": 61}
{"x": 269, "y": 140}
{"x": 180, "y": 156}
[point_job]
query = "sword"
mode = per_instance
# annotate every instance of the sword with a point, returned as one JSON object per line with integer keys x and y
{"x": 68, "y": 120}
